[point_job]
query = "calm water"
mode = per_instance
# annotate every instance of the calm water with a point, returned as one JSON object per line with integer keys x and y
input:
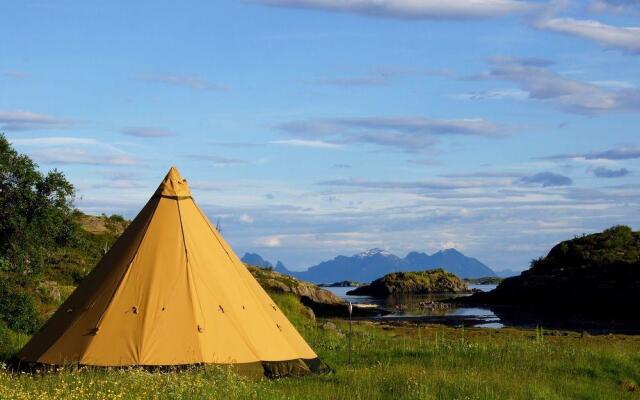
{"x": 417, "y": 309}
{"x": 408, "y": 307}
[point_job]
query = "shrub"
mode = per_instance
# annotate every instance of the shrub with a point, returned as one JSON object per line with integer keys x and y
{"x": 18, "y": 309}
{"x": 36, "y": 218}
{"x": 117, "y": 218}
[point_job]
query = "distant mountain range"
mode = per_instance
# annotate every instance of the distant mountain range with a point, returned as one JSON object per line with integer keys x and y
{"x": 375, "y": 263}
{"x": 255, "y": 259}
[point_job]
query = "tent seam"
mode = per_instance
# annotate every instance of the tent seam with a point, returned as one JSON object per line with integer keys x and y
{"x": 189, "y": 276}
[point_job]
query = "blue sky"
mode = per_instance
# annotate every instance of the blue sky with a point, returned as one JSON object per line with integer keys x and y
{"x": 313, "y": 128}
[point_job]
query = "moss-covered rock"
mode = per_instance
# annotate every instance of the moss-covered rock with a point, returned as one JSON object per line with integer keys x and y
{"x": 421, "y": 282}
{"x": 276, "y": 282}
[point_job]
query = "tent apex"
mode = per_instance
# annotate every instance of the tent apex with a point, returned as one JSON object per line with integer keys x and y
{"x": 173, "y": 184}
{"x": 173, "y": 171}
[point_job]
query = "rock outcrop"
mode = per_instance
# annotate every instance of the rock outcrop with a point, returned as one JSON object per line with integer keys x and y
{"x": 597, "y": 273}
{"x": 321, "y": 301}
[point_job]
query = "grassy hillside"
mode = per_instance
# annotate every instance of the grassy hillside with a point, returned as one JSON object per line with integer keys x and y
{"x": 28, "y": 299}
{"x": 70, "y": 264}
{"x": 618, "y": 244}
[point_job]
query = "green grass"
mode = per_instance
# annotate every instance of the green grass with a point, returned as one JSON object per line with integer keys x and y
{"x": 10, "y": 341}
{"x": 428, "y": 362}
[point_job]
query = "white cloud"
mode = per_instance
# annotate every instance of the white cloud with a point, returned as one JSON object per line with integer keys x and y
{"x": 413, "y": 9}
{"x": 17, "y": 74}
{"x": 450, "y": 244}
{"x": 407, "y": 133}
{"x": 366, "y": 80}
{"x": 53, "y": 141}
{"x": 269, "y": 241}
{"x": 146, "y": 132}
{"x": 60, "y": 155}
{"x": 381, "y": 76}
{"x": 318, "y": 144}
{"x": 193, "y": 82}
{"x": 73, "y": 150}
{"x": 217, "y": 161}
{"x": 613, "y": 6}
{"x": 625, "y": 38}
{"x": 499, "y": 94}
{"x": 246, "y": 219}
{"x": 426, "y": 186}
{"x": 613, "y": 84}
{"x": 617, "y": 153}
{"x": 541, "y": 83}
{"x": 27, "y": 120}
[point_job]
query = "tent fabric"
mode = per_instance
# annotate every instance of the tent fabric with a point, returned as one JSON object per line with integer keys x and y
{"x": 171, "y": 291}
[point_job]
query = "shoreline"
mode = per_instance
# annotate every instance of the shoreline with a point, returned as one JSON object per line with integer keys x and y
{"x": 498, "y": 317}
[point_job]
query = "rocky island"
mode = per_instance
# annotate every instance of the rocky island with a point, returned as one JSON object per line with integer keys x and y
{"x": 421, "y": 282}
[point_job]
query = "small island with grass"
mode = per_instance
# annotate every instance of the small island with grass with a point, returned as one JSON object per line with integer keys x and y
{"x": 487, "y": 280}
{"x": 342, "y": 284}
{"x": 420, "y": 282}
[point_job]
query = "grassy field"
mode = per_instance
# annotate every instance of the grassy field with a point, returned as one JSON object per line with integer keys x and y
{"x": 428, "y": 362}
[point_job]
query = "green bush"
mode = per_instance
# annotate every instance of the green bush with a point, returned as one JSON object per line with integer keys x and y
{"x": 36, "y": 219}
{"x": 117, "y": 218}
{"x": 35, "y": 211}
{"x": 18, "y": 309}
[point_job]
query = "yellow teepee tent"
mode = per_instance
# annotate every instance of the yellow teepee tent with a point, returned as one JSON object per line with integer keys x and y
{"x": 171, "y": 292}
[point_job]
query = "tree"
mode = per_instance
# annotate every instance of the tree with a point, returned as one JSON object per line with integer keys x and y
{"x": 36, "y": 215}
